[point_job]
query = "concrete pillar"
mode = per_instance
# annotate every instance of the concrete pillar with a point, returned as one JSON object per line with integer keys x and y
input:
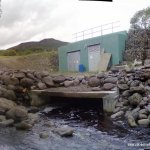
{"x": 109, "y": 101}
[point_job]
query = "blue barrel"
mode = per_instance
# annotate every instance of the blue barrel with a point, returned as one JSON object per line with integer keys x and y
{"x": 81, "y": 68}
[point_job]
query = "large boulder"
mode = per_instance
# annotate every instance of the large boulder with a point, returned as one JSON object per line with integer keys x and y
{"x": 116, "y": 115}
{"x": 59, "y": 79}
{"x": 94, "y": 82}
{"x": 18, "y": 113}
{"x": 26, "y": 82}
{"x": 10, "y": 80}
{"x": 144, "y": 122}
{"x": 6, "y": 104}
{"x": 111, "y": 80}
{"x": 68, "y": 83}
{"x": 131, "y": 121}
{"x": 64, "y": 131}
{"x": 19, "y": 75}
{"x": 135, "y": 99}
{"x": 123, "y": 86}
{"x": 48, "y": 81}
{"x": 108, "y": 86}
{"x": 137, "y": 89}
{"x": 41, "y": 85}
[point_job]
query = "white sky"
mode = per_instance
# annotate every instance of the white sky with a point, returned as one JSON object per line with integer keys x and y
{"x": 33, "y": 20}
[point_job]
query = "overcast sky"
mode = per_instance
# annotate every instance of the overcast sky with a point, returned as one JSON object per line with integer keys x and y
{"x": 33, "y": 20}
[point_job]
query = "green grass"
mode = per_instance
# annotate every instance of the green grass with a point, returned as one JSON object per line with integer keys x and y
{"x": 38, "y": 61}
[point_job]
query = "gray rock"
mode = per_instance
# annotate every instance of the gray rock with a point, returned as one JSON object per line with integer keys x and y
{"x": 137, "y": 89}
{"x": 111, "y": 80}
{"x": 26, "y": 82}
{"x": 2, "y": 118}
{"x": 123, "y": 86}
{"x": 135, "y": 99}
{"x": 7, "y": 123}
{"x": 48, "y": 81}
{"x": 41, "y": 85}
{"x": 44, "y": 73}
{"x": 142, "y": 116}
{"x": 9, "y": 94}
{"x": 134, "y": 83}
{"x": 94, "y": 82}
{"x": 76, "y": 82}
{"x": 59, "y": 79}
{"x": 116, "y": 110}
{"x": 108, "y": 86}
{"x": 126, "y": 93}
{"x": 131, "y": 121}
{"x": 19, "y": 75}
{"x": 116, "y": 115}
{"x": 10, "y": 80}
{"x": 135, "y": 113}
{"x": 43, "y": 135}
{"x": 68, "y": 83}
{"x": 23, "y": 126}
{"x": 18, "y": 113}
{"x": 64, "y": 131}
{"x": 144, "y": 122}
{"x": 6, "y": 104}
{"x": 80, "y": 77}
{"x": 144, "y": 111}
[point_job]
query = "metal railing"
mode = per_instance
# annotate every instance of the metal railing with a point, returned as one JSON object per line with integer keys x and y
{"x": 96, "y": 31}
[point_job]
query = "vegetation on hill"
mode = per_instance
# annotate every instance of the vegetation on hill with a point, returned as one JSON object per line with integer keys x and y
{"x": 45, "y": 45}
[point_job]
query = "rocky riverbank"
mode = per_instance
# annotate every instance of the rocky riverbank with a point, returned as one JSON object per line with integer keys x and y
{"x": 15, "y": 101}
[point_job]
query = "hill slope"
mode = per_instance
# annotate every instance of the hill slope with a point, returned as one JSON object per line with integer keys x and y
{"x": 45, "y": 44}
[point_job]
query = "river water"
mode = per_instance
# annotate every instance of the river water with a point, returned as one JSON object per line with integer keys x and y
{"x": 93, "y": 131}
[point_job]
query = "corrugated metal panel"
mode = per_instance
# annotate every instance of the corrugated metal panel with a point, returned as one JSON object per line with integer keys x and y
{"x": 73, "y": 59}
{"x": 94, "y": 57}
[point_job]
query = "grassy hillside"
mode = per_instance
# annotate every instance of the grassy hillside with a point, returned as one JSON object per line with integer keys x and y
{"x": 40, "y": 61}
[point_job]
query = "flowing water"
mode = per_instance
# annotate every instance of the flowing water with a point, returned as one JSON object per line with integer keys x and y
{"x": 93, "y": 131}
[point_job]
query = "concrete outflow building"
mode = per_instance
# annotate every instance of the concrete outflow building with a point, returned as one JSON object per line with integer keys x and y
{"x": 89, "y": 52}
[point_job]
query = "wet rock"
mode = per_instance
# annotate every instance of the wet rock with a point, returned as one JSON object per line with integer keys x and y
{"x": 18, "y": 113}
{"x": 2, "y": 111}
{"x": 33, "y": 109}
{"x": 41, "y": 85}
{"x": 50, "y": 124}
{"x": 111, "y": 80}
{"x": 108, "y": 86}
{"x": 43, "y": 135}
{"x": 26, "y": 82}
{"x": 23, "y": 126}
{"x": 144, "y": 122}
{"x": 48, "y": 81}
{"x": 116, "y": 115}
{"x": 6, "y": 104}
{"x": 68, "y": 83}
{"x": 11, "y": 87}
{"x": 135, "y": 99}
{"x": 123, "y": 86}
{"x": 2, "y": 118}
{"x": 94, "y": 82}
{"x": 32, "y": 118}
{"x": 59, "y": 79}
{"x": 131, "y": 121}
{"x": 135, "y": 113}
{"x": 7, "y": 123}
{"x": 64, "y": 131}
{"x": 142, "y": 103}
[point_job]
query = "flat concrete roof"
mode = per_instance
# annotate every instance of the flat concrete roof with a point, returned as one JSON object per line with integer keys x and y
{"x": 73, "y": 94}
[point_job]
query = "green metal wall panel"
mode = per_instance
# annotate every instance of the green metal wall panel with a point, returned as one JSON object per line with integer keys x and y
{"x": 112, "y": 43}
